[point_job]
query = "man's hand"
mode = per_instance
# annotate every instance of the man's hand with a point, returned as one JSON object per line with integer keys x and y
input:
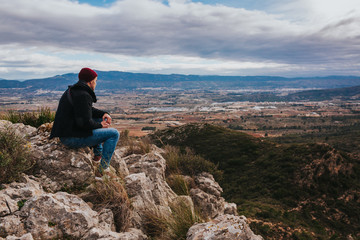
{"x": 107, "y": 118}
{"x": 105, "y": 124}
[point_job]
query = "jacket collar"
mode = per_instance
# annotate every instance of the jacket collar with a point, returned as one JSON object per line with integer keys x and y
{"x": 84, "y": 86}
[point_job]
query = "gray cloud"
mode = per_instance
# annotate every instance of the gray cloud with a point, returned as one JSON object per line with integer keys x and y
{"x": 150, "y": 28}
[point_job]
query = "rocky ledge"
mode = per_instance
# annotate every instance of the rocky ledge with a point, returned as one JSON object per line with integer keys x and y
{"x": 41, "y": 207}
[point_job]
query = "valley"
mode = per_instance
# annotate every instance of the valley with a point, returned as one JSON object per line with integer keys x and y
{"x": 145, "y": 110}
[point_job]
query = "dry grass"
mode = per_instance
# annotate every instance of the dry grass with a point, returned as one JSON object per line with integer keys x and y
{"x": 173, "y": 227}
{"x": 111, "y": 194}
{"x": 134, "y": 145}
{"x": 180, "y": 184}
{"x": 138, "y": 146}
{"x": 156, "y": 225}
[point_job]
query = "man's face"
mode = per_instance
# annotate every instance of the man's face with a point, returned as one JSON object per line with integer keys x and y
{"x": 93, "y": 84}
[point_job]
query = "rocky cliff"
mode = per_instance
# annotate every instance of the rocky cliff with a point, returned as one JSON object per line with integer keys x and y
{"x": 61, "y": 199}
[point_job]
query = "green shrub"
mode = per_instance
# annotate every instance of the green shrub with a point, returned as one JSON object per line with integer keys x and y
{"x": 21, "y": 203}
{"x": 15, "y": 156}
{"x": 172, "y": 227}
{"x": 35, "y": 118}
{"x": 178, "y": 184}
{"x": 147, "y": 128}
{"x": 183, "y": 219}
{"x": 188, "y": 163}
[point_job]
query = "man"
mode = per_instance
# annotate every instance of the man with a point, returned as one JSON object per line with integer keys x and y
{"x": 78, "y": 124}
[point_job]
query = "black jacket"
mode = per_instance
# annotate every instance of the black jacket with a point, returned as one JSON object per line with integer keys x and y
{"x": 75, "y": 119}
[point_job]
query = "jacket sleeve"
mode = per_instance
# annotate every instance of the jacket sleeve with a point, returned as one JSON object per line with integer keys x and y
{"x": 97, "y": 113}
{"x": 83, "y": 111}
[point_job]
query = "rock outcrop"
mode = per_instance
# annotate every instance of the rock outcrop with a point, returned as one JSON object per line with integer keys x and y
{"x": 39, "y": 208}
{"x": 224, "y": 227}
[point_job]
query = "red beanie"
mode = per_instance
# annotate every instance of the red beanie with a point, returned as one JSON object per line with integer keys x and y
{"x": 87, "y": 75}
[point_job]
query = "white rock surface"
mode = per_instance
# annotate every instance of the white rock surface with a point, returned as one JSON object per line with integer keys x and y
{"x": 224, "y": 227}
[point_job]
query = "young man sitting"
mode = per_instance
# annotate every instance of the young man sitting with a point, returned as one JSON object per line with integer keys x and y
{"x": 78, "y": 124}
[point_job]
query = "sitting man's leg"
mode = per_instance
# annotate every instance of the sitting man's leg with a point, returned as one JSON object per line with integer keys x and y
{"x": 105, "y": 138}
{"x": 111, "y": 137}
{"x": 99, "y": 147}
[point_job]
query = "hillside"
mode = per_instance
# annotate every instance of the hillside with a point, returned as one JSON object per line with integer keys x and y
{"x": 347, "y": 93}
{"x": 116, "y": 80}
{"x": 312, "y": 187}
{"x": 326, "y": 94}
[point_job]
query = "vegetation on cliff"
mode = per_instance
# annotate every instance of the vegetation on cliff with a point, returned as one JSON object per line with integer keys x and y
{"x": 298, "y": 191}
{"x": 34, "y": 118}
{"x": 15, "y": 156}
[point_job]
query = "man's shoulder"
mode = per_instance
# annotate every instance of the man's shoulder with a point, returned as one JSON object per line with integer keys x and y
{"x": 82, "y": 93}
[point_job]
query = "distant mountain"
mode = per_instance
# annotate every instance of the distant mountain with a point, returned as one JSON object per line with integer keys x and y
{"x": 115, "y": 80}
{"x": 348, "y": 93}
{"x": 327, "y": 94}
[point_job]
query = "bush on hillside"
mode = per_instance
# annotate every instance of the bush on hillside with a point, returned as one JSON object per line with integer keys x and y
{"x": 35, "y": 118}
{"x": 15, "y": 156}
{"x": 188, "y": 163}
{"x": 174, "y": 226}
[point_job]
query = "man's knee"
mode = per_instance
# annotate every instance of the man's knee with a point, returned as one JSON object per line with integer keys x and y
{"x": 115, "y": 133}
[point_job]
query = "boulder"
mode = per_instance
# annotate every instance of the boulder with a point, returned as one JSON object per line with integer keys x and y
{"x": 224, "y": 227}
{"x": 11, "y": 225}
{"x": 25, "y": 131}
{"x": 118, "y": 163}
{"x": 146, "y": 186}
{"x": 207, "y": 197}
{"x": 64, "y": 166}
{"x": 43, "y": 215}
{"x": 58, "y": 215}
{"x": 209, "y": 205}
{"x": 100, "y": 234}
{"x": 206, "y": 182}
{"x": 17, "y": 193}
{"x": 26, "y": 236}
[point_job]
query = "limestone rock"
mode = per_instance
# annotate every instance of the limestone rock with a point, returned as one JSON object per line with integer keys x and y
{"x": 149, "y": 168}
{"x": 99, "y": 234}
{"x": 230, "y": 208}
{"x": 16, "y": 192}
{"x": 224, "y": 227}
{"x": 146, "y": 186}
{"x": 67, "y": 167}
{"x": 55, "y": 215}
{"x": 11, "y": 225}
{"x": 106, "y": 220}
{"x": 27, "y": 236}
{"x": 20, "y": 129}
{"x": 206, "y": 182}
{"x": 207, "y": 197}
{"x": 118, "y": 162}
{"x": 210, "y": 206}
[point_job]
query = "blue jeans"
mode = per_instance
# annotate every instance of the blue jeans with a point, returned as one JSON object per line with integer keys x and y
{"x": 103, "y": 141}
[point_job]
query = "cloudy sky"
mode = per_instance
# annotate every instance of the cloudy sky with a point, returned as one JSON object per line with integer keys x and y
{"x": 41, "y": 38}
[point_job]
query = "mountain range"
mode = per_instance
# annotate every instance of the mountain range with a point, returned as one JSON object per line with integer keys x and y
{"x": 116, "y": 80}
